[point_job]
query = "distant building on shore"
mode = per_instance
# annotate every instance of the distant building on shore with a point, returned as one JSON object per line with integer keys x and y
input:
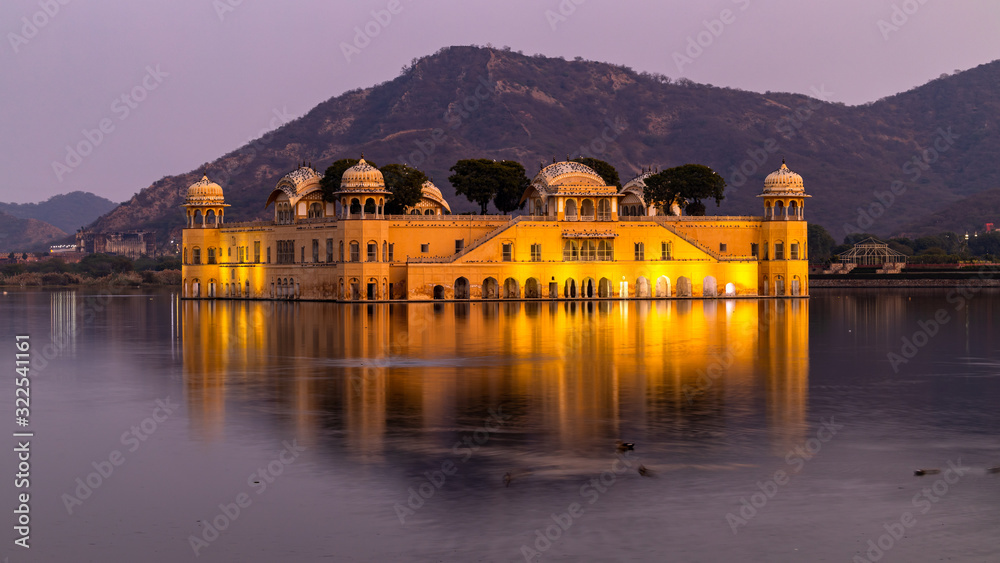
{"x": 131, "y": 244}
{"x": 581, "y": 239}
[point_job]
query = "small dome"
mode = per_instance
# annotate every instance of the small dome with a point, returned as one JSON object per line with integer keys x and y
{"x": 362, "y": 176}
{"x": 204, "y": 192}
{"x": 783, "y": 181}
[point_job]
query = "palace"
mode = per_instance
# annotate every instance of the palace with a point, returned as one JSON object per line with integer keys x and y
{"x": 580, "y": 239}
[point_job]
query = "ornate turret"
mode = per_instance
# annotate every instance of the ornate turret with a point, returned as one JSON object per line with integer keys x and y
{"x": 784, "y": 195}
{"x": 782, "y": 247}
{"x": 362, "y": 192}
{"x": 205, "y": 204}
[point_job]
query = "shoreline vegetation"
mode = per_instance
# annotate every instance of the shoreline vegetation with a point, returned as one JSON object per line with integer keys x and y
{"x": 94, "y": 270}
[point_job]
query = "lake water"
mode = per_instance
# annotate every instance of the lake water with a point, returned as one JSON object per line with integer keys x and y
{"x": 767, "y": 430}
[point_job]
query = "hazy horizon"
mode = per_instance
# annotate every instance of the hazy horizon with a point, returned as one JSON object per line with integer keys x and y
{"x": 212, "y": 75}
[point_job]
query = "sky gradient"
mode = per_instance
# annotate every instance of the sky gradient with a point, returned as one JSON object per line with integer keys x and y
{"x": 160, "y": 88}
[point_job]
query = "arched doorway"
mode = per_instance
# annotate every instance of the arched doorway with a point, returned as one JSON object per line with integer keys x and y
{"x": 511, "y": 289}
{"x": 709, "y": 287}
{"x": 491, "y": 288}
{"x": 569, "y": 289}
{"x": 796, "y": 286}
{"x": 604, "y": 288}
{"x": 587, "y": 210}
{"x": 764, "y": 289}
{"x": 587, "y": 289}
{"x": 438, "y": 292}
{"x": 730, "y": 289}
{"x": 683, "y": 287}
{"x": 461, "y": 288}
{"x": 779, "y": 286}
{"x": 642, "y": 288}
{"x": 532, "y": 289}
{"x": 663, "y": 286}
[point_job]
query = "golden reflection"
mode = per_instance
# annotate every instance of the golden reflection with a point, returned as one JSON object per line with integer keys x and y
{"x": 582, "y": 372}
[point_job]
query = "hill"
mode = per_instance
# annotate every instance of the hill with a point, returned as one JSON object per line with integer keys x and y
{"x": 17, "y": 234}
{"x": 468, "y": 102}
{"x": 66, "y": 212}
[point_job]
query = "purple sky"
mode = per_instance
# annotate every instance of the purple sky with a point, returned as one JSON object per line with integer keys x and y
{"x": 234, "y": 68}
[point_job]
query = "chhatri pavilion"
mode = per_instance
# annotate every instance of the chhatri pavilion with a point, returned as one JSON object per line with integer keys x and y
{"x": 579, "y": 239}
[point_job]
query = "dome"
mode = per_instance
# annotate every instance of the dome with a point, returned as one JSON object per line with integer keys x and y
{"x": 431, "y": 192}
{"x": 300, "y": 179}
{"x": 783, "y": 181}
{"x": 637, "y": 185}
{"x": 362, "y": 176}
{"x": 204, "y": 192}
{"x": 428, "y": 189}
{"x": 567, "y": 173}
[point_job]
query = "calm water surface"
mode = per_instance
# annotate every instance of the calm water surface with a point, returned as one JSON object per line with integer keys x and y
{"x": 770, "y": 430}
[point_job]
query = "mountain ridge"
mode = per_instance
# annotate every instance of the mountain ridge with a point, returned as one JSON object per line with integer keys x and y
{"x": 67, "y": 212}
{"x": 473, "y": 102}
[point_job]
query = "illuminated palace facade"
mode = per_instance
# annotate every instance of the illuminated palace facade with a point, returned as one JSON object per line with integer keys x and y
{"x": 580, "y": 239}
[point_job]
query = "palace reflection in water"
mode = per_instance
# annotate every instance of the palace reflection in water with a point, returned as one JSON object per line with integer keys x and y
{"x": 573, "y": 375}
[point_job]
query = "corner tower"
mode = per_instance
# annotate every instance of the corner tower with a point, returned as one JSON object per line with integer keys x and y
{"x": 783, "y": 255}
{"x": 205, "y": 208}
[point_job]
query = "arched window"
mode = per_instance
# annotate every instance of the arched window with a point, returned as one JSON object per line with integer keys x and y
{"x": 355, "y": 206}
{"x": 196, "y": 255}
{"x": 372, "y": 251}
{"x": 385, "y": 251}
{"x": 588, "y": 250}
{"x": 571, "y": 210}
{"x": 341, "y": 251}
{"x": 587, "y": 210}
{"x": 315, "y": 210}
{"x": 210, "y": 217}
{"x": 603, "y": 210}
{"x": 605, "y": 250}
{"x": 370, "y": 207}
{"x": 355, "y": 251}
{"x": 571, "y": 251}
{"x": 198, "y": 220}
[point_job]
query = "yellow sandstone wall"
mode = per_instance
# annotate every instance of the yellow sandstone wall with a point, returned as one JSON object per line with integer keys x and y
{"x": 694, "y": 249}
